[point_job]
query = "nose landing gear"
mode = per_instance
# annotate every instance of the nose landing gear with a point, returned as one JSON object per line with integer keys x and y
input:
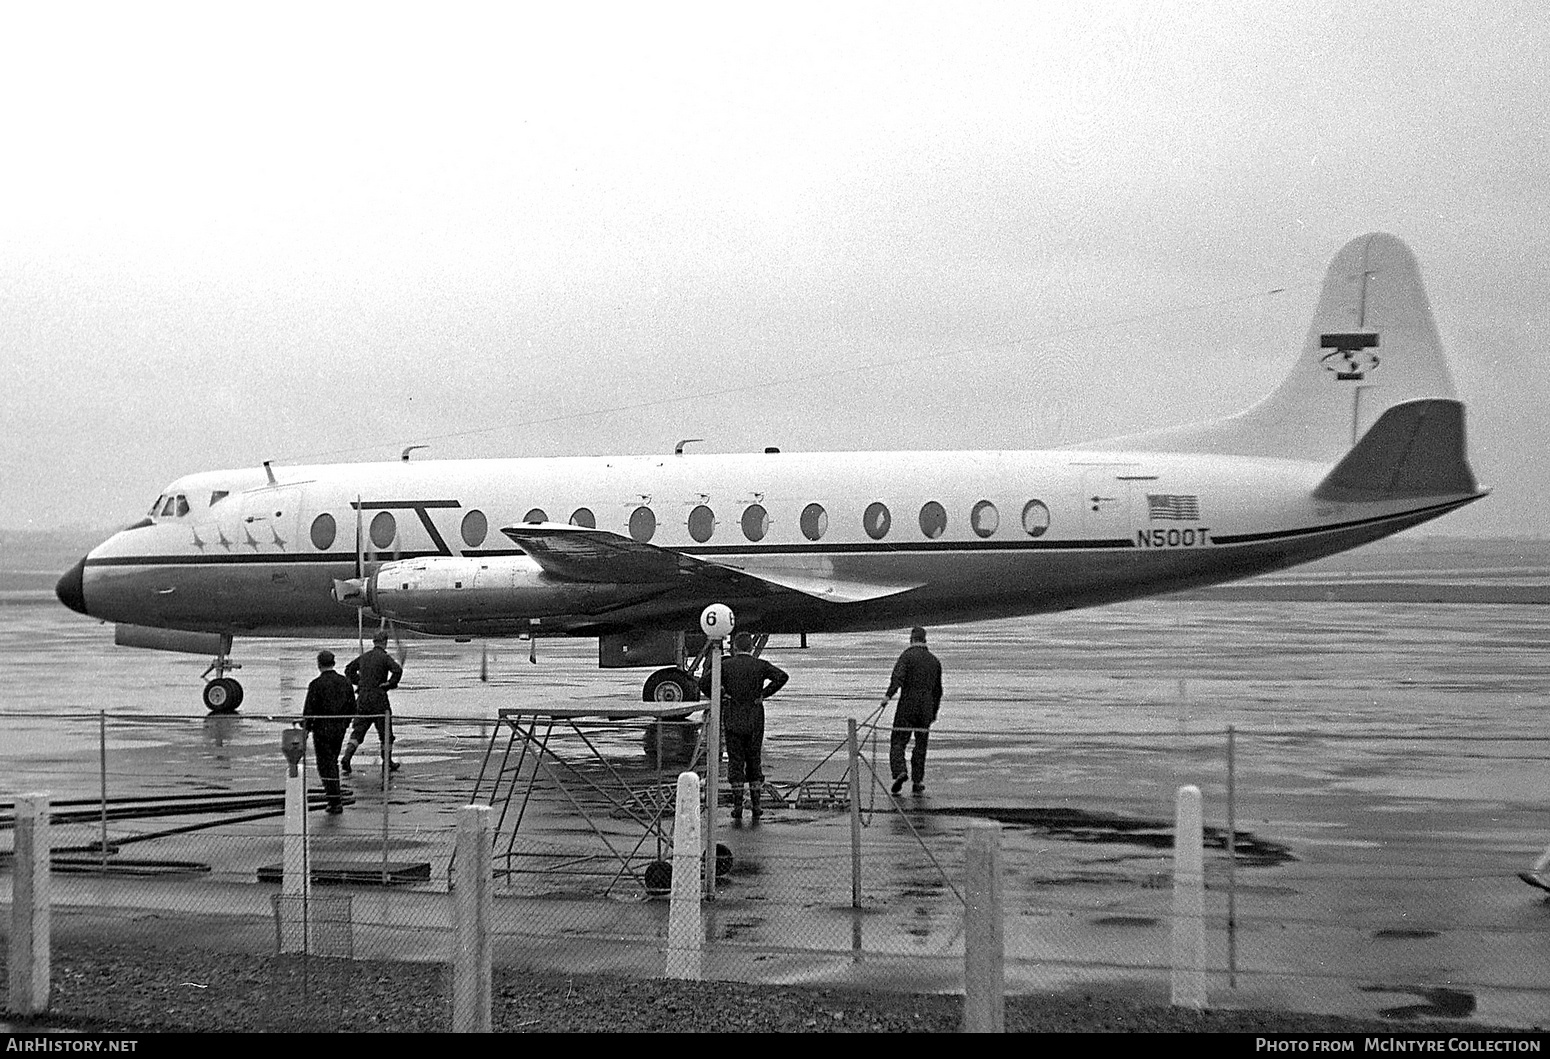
{"x": 223, "y": 694}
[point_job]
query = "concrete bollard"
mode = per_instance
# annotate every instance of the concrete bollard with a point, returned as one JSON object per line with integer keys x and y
{"x": 685, "y": 934}
{"x": 28, "y": 958}
{"x": 1189, "y": 903}
{"x": 984, "y": 972}
{"x": 295, "y": 926}
{"x": 472, "y": 989}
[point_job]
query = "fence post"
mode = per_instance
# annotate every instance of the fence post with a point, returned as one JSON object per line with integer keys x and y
{"x": 28, "y": 958}
{"x": 685, "y": 934}
{"x": 471, "y": 984}
{"x": 984, "y": 989}
{"x": 855, "y": 816}
{"x": 1189, "y": 902}
{"x": 102, "y": 781}
{"x": 1232, "y": 863}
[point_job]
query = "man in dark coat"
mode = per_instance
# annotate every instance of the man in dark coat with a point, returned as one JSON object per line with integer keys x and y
{"x": 374, "y": 674}
{"x": 746, "y": 682}
{"x": 330, "y": 702}
{"x": 917, "y": 677}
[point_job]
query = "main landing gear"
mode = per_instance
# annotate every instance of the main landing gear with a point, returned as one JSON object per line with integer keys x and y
{"x": 670, "y": 685}
{"x": 223, "y": 694}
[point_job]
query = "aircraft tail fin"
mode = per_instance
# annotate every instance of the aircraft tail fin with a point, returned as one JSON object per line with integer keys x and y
{"x": 1372, "y": 347}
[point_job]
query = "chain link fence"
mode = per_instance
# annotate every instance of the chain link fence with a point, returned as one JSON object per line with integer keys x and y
{"x": 1342, "y": 868}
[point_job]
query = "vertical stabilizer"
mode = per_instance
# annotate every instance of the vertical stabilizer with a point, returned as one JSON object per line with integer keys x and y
{"x": 1372, "y": 345}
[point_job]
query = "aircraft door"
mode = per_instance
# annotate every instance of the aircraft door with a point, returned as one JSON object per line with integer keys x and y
{"x": 1108, "y": 502}
{"x": 269, "y": 519}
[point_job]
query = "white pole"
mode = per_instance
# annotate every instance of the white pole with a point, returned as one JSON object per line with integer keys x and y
{"x": 984, "y": 973}
{"x": 1189, "y": 902}
{"x": 712, "y": 768}
{"x": 296, "y": 877}
{"x": 28, "y": 957}
{"x": 685, "y": 935}
{"x": 471, "y": 984}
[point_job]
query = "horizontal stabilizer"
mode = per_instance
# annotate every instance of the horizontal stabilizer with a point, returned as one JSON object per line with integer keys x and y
{"x": 1415, "y": 449}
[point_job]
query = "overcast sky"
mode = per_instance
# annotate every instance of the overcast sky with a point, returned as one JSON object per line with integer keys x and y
{"x": 313, "y": 232}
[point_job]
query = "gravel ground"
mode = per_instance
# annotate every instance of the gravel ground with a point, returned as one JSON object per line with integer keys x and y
{"x": 132, "y": 989}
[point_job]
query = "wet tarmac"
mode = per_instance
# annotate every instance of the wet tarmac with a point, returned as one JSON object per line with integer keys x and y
{"x": 1389, "y": 781}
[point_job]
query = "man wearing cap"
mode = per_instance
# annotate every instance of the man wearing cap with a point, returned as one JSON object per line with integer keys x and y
{"x": 326, "y": 714}
{"x": 917, "y": 677}
{"x": 746, "y": 682}
{"x": 374, "y": 674}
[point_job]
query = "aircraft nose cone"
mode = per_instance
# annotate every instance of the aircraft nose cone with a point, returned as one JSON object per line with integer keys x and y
{"x": 70, "y": 589}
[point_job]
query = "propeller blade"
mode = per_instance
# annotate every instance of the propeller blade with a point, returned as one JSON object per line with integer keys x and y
{"x": 360, "y": 574}
{"x": 360, "y": 543}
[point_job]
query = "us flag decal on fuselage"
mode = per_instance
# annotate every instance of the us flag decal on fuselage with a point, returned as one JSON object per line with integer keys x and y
{"x": 1170, "y": 506}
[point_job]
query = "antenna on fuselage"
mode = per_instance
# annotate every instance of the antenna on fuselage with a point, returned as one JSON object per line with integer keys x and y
{"x": 268, "y": 470}
{"x": 678, "y": 449}
{"x": 409, "y": 449}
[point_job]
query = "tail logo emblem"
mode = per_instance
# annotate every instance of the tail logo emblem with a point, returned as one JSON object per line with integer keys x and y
{"x": 1351, "y": 356}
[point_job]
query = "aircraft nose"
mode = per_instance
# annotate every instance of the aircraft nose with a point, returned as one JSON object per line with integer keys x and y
{"x": 71, "y": 590}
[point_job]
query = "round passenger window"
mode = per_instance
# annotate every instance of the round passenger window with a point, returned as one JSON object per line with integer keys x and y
{"x": 383, "y": 529}
{"x": 324, "y": 530}
{"x": 877, "y": 520}
{"x": 537, "y": 514}
{"x": 1035, "y": 518}
{"x": 933, "y": 520}
{"x": 985, "y": 518}
{"x": 583, "y": 517}
{"x": 475, "y": 528}
{"x": 702, "y": 523}
{"x": 815, "y": 521}
{"x": 756, "y": 522}
{"x": 643, "y": 524}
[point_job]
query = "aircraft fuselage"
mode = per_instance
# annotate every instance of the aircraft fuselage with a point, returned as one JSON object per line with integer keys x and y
{"x": 938, "y": 537}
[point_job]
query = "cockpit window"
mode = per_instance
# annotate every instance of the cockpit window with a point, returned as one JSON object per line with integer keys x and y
{"x": 156, "y": 505}
{"x": 219, "y": 495}
{"x": 169, "y": 507}
{"x": 182, "y": 504}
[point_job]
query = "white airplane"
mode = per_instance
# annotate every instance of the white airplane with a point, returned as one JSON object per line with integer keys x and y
{"x": 1364, "y": 438}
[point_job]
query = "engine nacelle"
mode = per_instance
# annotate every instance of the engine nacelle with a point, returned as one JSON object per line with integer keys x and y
{"x": 464, "y": 588}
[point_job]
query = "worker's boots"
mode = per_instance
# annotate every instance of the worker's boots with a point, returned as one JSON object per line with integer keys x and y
{"x": 753, "y": 796}
{"x": 737, "y": 801}
{"x": 344, "y": 759}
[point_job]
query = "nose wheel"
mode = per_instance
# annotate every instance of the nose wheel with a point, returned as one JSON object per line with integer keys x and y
{"x": 223, "y": 694}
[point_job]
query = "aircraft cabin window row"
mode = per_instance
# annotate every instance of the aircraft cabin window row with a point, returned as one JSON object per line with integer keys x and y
{"x": 877, "y": 520}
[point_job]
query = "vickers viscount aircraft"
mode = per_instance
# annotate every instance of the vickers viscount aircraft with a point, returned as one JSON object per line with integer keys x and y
{"x": 1362, "y": 439}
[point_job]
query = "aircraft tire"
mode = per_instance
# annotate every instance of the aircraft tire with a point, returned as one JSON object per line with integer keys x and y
{"x": 223, "y": 695}
{"x": 670, "y": 685}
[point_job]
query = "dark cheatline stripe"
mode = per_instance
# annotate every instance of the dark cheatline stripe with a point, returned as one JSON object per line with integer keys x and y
{"x": 1274, "y": 535}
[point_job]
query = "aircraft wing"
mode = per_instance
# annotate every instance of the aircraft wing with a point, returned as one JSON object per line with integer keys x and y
{"x": 577, "y": 553}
